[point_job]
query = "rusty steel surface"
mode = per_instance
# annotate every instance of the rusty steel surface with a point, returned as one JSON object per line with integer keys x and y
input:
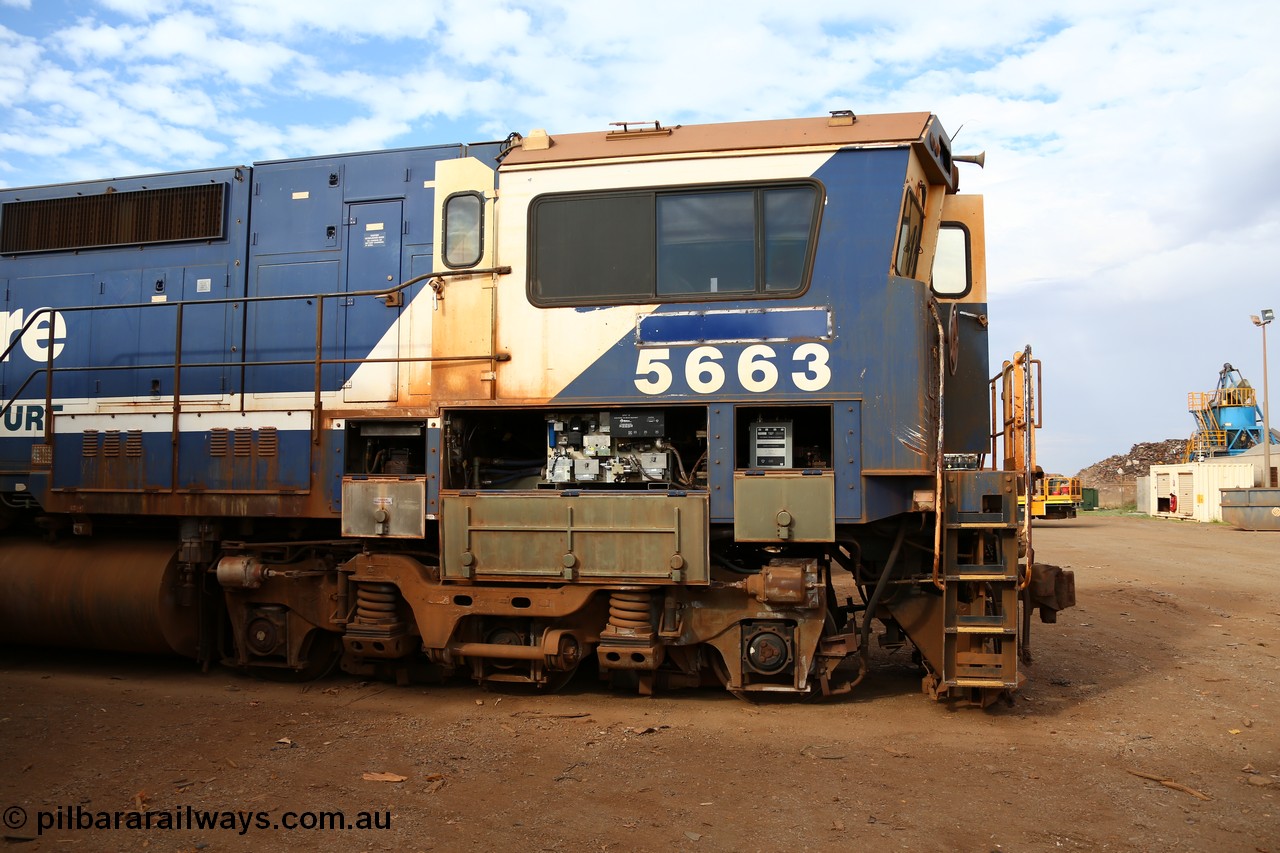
{"x": 191, "y": 504}
{"x": 651, "y": 537}
{"x": 438, "y": 608}
{"x": 733, "y": 136}
{"x": 102, "y": 594}
{"x": 614, "y": 616}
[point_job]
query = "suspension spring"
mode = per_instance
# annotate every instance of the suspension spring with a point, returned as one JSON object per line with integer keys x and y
{"x": 630, "y": 611}
{"x": 376, "y": 602}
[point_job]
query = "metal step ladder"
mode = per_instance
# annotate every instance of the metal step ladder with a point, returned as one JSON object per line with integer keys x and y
{"x": 981, "y": 581}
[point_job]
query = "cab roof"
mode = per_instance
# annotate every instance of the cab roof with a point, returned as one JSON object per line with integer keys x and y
{"x": 650, "y": 139}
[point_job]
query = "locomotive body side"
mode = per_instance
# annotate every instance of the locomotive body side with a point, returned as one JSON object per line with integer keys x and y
{"x": 498, "y": 409}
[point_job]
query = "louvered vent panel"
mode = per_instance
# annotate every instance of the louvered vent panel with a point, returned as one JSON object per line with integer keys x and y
{"x": 131, "y": 218}
{"x": 218, "y": 442}
{"x": 268, "y": 441}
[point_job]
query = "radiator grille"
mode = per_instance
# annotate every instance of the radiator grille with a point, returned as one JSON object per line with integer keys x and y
{"x": 113, "y": 219}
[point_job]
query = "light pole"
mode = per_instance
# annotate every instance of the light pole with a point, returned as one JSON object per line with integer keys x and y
{"x": 1262, "y": 322}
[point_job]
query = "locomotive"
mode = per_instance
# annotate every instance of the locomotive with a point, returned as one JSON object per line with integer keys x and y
{"x": 650, "y": 398}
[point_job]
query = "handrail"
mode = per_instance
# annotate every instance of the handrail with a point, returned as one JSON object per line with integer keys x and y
{"x": 227, "y": 300}
{"x": 1199, "y": 401}
{"x": 177, "y": 365}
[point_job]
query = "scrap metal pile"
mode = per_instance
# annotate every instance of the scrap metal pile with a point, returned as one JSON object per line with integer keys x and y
{"x": 1126, "y": 467}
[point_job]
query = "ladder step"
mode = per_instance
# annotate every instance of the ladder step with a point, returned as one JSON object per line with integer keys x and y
{"x": 1000, "y": 630}
{"x": 979, "y": 525}
{"x": 981, "y": 576}
{"x": 980, "y": 682}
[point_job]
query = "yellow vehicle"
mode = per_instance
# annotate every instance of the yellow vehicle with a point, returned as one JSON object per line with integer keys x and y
{"x": 1055, "y": 497}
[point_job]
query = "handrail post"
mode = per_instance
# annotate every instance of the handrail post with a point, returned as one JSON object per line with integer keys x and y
{"x": 315, "y": 414}
{"x": 48, "y": 383}
{"x": 177, "y": 396}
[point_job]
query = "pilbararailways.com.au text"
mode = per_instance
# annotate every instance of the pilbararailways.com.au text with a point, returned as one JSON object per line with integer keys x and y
{"x": 78, "y": 818}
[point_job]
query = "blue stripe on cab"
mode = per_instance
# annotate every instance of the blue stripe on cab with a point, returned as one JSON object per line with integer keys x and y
{"x": 786, "y": 324}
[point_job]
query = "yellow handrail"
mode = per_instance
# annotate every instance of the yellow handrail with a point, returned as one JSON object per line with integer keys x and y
{"x": 1199, "y": 401}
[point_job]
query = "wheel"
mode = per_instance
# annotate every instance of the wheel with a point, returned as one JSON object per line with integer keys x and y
{"x": 322, "y": 651}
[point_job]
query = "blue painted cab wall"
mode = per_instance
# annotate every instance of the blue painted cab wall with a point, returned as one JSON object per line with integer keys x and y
{"x": 879, "y": 343}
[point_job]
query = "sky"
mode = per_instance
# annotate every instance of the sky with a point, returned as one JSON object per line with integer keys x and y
{"x": 1133, "y": 219}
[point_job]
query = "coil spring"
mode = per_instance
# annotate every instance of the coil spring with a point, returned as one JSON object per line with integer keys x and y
{"x": 376, "y": 602}
{"x": 630, "y": 611}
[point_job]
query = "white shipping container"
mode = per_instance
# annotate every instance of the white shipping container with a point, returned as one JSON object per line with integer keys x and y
{"x": 1193, "y": 491}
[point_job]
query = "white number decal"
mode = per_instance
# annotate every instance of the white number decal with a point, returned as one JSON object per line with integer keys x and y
{"x": 704, "y": 361}
{"x": 754, "y": 362}
{"x": 651, "y": 363}
{"x": 817, "y": 356}
{"x": 756, "y": 369}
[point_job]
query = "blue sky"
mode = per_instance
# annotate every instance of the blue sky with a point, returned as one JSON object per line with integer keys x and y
{"x": 1133, "y": 214}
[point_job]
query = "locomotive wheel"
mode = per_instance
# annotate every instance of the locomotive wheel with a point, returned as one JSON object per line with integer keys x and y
{"x": 558, "y": 679}
{"x": 323, "y": 650}
{"x": 555, "y": 680}
{"x": 721, "y": 669}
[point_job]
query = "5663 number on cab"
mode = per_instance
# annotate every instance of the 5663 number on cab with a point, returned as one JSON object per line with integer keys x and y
{"x": 759, "y": 369}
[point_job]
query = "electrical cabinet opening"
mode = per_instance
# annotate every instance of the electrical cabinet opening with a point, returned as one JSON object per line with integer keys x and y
{"x": 386, "y": 448}
{"x": 617, "y": 448}
{"x": 782, "y": 437}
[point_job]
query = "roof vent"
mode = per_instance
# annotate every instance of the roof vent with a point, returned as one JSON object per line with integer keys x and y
{"x": 537, "y": 140}
{"x": 841, "y": 118}
{"x": 637, "y": 129}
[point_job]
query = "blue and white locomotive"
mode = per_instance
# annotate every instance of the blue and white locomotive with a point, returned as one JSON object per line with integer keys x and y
{"x": 642, "y": 397}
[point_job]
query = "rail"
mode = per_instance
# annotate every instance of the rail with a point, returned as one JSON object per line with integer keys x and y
{"x": 1020, "y": 405}
{"x": 178, "y": 365}
{"x": 1199, "y": 401}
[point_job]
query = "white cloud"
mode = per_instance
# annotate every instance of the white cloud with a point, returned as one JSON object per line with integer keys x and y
{"x": 396, "y": 19}
{"x": 140, "y": 9}
{"x": 88, "y": 42}
{"x": 19, "y": 54}
{"x": 191, "y": 107}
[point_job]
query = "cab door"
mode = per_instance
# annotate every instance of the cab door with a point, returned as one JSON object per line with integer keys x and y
{"x": 463, "y": 320}
{"x": 959, "y": 281}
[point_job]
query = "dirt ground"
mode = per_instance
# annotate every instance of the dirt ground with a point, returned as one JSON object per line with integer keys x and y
{"x": 1169, "y": 669}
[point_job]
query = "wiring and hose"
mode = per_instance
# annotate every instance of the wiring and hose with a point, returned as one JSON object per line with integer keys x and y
{"x": 864, "y": 638}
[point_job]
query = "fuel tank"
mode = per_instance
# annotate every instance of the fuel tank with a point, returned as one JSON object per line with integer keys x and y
{"x": 115, "y": 595}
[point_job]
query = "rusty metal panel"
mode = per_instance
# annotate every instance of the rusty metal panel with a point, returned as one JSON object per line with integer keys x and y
{"x": 636, "y": 537}
{"x": 733, "y": 136}
{"x": 385, "y": 508}
{"x": 101, "y": 593}
{"x": 784, "y": 507}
